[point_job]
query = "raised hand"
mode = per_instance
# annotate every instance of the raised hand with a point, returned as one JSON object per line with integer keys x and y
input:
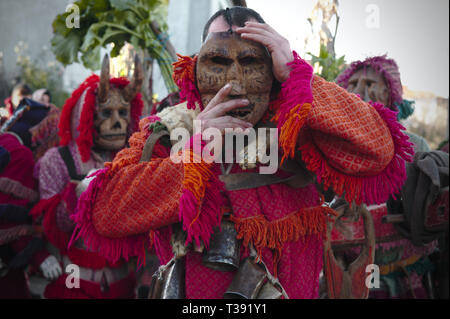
{"x": 277, "y": 45}
{"x": 214, "y": 114}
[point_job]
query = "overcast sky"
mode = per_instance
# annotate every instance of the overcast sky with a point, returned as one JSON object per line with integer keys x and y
{"x": 413, "y": 32}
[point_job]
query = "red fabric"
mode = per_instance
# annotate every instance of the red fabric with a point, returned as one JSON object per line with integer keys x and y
{"x": 122, "y": 289}
{"x": 9, "y": 106}
{"x": 21, "y": 164}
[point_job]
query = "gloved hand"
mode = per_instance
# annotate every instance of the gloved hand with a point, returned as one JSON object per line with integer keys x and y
{"x": 84, "y": 184}
{"x": 50, "y": 268}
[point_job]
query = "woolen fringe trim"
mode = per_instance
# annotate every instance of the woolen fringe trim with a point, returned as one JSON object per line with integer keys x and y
{"x": 184, "y": 77}
{"x": 110, "y": 248}
{"x": 367, "y": 189}
{"x": 295, "y": 102}
{"x": 201, "y": 200}
{"x": 257, "y": 230}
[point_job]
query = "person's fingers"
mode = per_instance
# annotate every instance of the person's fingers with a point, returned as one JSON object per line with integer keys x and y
{"x": 259, "y": 25}
{"x": 58, "y": 270}
{"x": 219, "y": 97}
{"x": 222, "y": 108}
{"x": 256, "y": 31}
{"x": 264, "y": 40}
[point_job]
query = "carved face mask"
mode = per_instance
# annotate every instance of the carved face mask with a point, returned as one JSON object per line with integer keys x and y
{"x": 370, "y": 85}
{"x": 246, "y": 65}
{"x": 113, "y": 109}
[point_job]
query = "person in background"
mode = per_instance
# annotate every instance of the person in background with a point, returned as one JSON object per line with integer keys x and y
{"x": 378, "y": 79}
{"x": 19, "y": 92}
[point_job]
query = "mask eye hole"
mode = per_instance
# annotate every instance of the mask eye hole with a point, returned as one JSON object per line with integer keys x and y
{"x": 221, "y": 60}
{"x": 123, "y": 113}
{"x": 248, "y": 60}
{"x": 106, "y": 113}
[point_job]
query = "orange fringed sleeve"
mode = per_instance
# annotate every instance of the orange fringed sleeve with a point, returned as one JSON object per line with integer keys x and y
{"x": 354, "y": 147}
{"x": 138, "y": 197}
{"x": 348, "y": 132}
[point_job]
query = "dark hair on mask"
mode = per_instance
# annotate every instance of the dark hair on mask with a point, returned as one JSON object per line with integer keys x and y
{"x": 234, "y": 15}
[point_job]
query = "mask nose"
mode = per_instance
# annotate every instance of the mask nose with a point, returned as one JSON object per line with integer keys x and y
{"x": 361, "y": 89}
{"x": 115, "y": 119}
{"x": 236, "y": 79}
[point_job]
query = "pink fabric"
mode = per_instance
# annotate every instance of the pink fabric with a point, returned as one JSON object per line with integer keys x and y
{"x": 19, "y": 168}
{"x": 301, "y": 261}
{"x": 52, "y": 171}
{"x": 296, "y": 89}
{"x": 199, "y": 217}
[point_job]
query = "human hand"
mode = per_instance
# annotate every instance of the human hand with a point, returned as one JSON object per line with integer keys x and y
{"x": 50, "y": 268}
{"x": 277, "y": 45}
{"x": 214, "y": 114}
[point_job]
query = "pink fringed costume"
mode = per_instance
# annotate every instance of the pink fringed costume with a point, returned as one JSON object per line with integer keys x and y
{"x": 354, "y": 147}
{"x": 59, "y": 172}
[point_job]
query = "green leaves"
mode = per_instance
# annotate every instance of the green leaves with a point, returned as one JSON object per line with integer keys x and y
{"x": 113, "y": 21}
{"x": 329, "y": 66}
{"x": 66, "y": 48}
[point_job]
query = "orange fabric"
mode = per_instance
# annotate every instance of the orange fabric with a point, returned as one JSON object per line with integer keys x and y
{"x": 138, "y": 197}
{"x": 291, "y": 128}
{"x": 264, "y": 234}
{"x": 348, "y": 132}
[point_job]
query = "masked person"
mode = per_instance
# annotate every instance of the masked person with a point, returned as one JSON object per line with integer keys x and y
{"x": 405, "y": 267}
{"x": 28, "y": 133}
{"x": 95, "y": 123}
{"x": 279, "y": 219}
{"x": 378, "y": 79}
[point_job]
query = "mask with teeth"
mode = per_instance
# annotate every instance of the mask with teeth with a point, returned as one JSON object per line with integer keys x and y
{"x": 246, "y": 65}
{"x": 112, "y": 115}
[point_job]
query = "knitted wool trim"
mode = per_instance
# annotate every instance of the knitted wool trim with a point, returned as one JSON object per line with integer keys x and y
{"x": 201, "y": 201}
{"x": 111, "y": 248}
{"x": 258, "y": 231}
{"x": 366, "y": 189}
{"x": 86, "y": 122}
{"x": 184, "y": 77}
{"x": 293, "y": 105}
{"x": 114, "y": 248}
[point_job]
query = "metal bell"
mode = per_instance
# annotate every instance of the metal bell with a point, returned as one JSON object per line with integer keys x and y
{"x": 269, "y": 291}
{"x": 247, "y": 281}
{"x": 174, "y": 283}
{"x": 224, "y": 248}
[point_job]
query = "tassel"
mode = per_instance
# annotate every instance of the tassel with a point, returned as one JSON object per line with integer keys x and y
{"x": 184, "y": 78}
{"x": 110, "y": 248}
{"x": 294, "y": 104}
{"x": 273, "y": 235}
{"x": 201, "y": 200}
{"x": 367, "y": 189}
{"x": 291, "y": 128}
